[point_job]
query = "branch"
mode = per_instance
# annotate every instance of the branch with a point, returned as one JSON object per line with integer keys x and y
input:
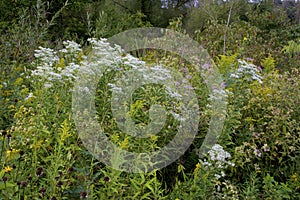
{"x": 181, "y": 3}
{"x": 226, "y": 29}
{"x": 51, "y": 23}
{"x": 121, "y": 5}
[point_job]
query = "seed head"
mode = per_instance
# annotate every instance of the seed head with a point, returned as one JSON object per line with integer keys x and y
{"x": 83, "y": 195}
{"x": 24, "y": 184}
{"x": 4, "y": 179}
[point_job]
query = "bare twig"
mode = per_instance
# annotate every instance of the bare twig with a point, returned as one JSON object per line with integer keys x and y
{"x": 226, "y": 29}
{"x": 51, "y": 23}
{"x": 121, "y": 5}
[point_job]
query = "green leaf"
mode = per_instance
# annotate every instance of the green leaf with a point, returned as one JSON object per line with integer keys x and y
{"x": 8, "y": 185}
{"x": 2, "y": 173}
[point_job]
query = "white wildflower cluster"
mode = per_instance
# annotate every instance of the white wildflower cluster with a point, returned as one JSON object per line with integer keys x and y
{"x": 71, "y": 47}
{"x": 46, "y": 55}
{"x": 218, "y": 160}
{"x": 218, "y": 93}
{"x": 247, "y": 71}
{"x": 133, "y": 62}
{"x": 173, "y": 94}
{"x": 51, "y": 68}
{"x": 104, "y": 55}
{"x": 47, "y": 61}
{"x": 135, "y": 73}
{"x": 63, "y": 66}
{"x": 217, "y": 153}
{"x": 142, "y": 75}
{"x": 105, "y": 58}
{"x": 69, "y": 72}
{"x": 46, "y": 58}
{"x": 217, "y": 90}
{"x": 30, "y": 95}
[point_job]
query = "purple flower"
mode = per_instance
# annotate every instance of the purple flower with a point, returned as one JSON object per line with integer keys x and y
{"x": 257, "y": 152}
{"x": 223, "y": 85}
{"x": 205, "y": 66}
{"x": 249, "y": 59}
{"x": 255, "y": 134}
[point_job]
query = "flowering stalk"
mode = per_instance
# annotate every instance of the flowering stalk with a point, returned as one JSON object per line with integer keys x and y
{"x": 4, "y": 179}
{"x": 21, "y": 153}
{"x": 2, "y": 149}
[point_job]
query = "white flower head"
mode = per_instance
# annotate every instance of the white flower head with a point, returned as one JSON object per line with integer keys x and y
{"x": 248, "y": 71}
{"x": 30, "y": 95}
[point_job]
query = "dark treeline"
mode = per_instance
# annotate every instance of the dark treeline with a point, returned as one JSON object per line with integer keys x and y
{"x": 102, "y": 18}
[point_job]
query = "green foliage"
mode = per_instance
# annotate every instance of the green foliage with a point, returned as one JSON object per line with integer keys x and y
{"x": 106, "y": 25}
{"x": 292, "y": 48}
{"x": 227, "y": 64}
{"x": 42, "y": 156}
{"x": 268, "y": 64}
{"x": 264, "y": 121}
{"x": 199, "y": 18}
{"x": 268, "y": 19}
{"x": 274, "y": 190}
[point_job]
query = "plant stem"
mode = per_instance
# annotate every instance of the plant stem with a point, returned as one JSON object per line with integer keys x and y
{"x": 226, "y": 29}
{"x": 16, "y": 179}
{"x": 6, "y": 191}
{"x": 2, "y": 149}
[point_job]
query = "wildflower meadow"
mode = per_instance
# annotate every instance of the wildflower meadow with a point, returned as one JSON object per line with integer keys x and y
{"x": 198, "y": 100}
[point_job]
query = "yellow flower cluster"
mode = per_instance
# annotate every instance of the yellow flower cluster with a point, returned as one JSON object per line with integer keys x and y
{"x": 8, "y": 169}
{"x": 18, "y": 81}
{"x": 198, "y": 165}
{"x": 262, "y": 91}
{"x": 11, "y": 154}
{"x": 124, "y": 143}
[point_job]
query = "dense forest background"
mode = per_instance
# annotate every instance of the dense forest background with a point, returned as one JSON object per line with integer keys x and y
{"x": 28, "y": 24}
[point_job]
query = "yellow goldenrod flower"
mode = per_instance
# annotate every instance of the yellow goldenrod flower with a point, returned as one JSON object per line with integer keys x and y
{"x": 11, "y": 154}
{"x": 245, "y": 38}
{"x": 115, "y": 137}
{"x": 180, "y": 168}
{"x": 18, "y": 81}
{"x": 65, "y": 131}
{"x": 198, "y": 165}
{"x": 294, "y": 176}
{"x": 61, "y": 64}
{"x": 7, "y": 92}
{"x": 80, "y": 56}
{"x": 7, "y": 169}
{"x": 153, "y": 138}
{"x": 9, "y": 151}
{"x": 24, "y": 91}
{"x": 37, "y": 145}
{"x": 124, "y": 143}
